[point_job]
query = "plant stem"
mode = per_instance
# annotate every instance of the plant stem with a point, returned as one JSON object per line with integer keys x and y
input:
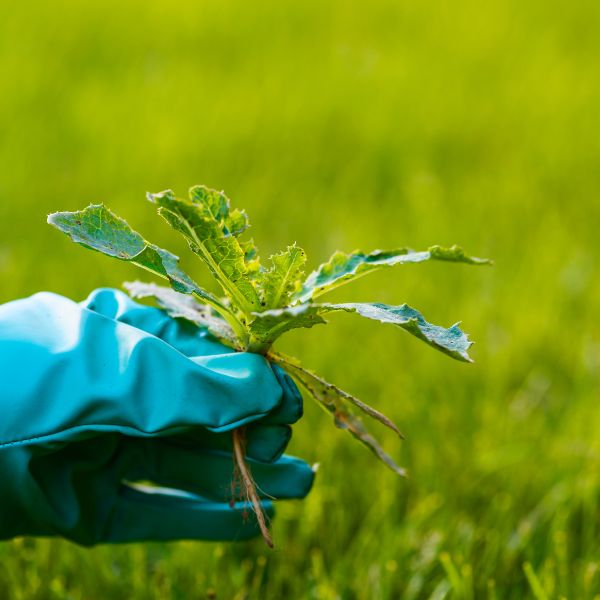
{"x": 239, "y": 453}
{"x": 257, "y": 347}
{"x": 236, "y": 325}
{"x": 229, "y": 288}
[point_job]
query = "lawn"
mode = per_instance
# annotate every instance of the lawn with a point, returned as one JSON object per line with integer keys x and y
{"x": 347, "y": 125}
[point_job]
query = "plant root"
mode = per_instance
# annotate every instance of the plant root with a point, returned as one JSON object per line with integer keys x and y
{"x": 247, "y": 482}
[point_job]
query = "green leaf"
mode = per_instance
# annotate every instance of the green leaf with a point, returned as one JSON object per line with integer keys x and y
{"x": 283, "y": 278}
{"x": 270, "y": 324}
{"x": 339, "y": 404}
{"x": 215, "y": 206}
{"x": 342, "y": 268}
{"x": 211, "y": 231}
{"x": 185, "y": 307}
{"x": 99, "y": 229}
{"x": 451, "y": 341}
{"x": 251, "y": 258}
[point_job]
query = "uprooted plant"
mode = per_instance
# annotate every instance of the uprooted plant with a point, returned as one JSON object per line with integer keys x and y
{"x": 261, "y": 302}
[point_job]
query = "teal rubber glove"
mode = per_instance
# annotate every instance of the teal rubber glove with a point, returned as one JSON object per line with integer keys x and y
{"x": 99, "y": 396}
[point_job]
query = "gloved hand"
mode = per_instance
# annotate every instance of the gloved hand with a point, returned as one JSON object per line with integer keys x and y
{"x": 97, "y": 396}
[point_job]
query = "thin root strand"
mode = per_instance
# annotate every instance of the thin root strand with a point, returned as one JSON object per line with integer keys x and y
{"x": 247, "y": 482}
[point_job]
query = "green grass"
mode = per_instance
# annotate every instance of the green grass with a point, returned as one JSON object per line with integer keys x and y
{"x": 340, "y": 125}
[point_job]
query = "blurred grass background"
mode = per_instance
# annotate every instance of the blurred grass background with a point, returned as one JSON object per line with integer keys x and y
{"x": 341, "y": 125}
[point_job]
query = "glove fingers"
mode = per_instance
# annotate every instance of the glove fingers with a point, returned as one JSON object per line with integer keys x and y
{"x": 187, "y": 339}
{"x": 193, "y": 343}
{"x": 291, "y": 409}
{"x": 265, "y": 443}
{"x": 160, "y": 515}
{"x": 211, "y": 473}
{"x": 113, "y": 377}
{"x": 183, "y": 336}
{"x": 245, "y": 390}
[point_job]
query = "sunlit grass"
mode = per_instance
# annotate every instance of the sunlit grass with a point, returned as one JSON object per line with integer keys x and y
{"x": 344, "y": 125}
